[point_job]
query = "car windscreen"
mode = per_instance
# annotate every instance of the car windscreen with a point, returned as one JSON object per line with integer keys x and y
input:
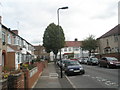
{"x": 112, "y": 59}
{"x": 73, "y": 63}
{"x": 94, "y": 59}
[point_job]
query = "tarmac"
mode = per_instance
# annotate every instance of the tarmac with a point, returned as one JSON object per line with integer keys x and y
{"x": 50, "y": 78}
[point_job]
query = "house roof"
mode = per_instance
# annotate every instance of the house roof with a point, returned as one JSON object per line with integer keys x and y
{"x": 8, "y": 29}
{"x": 73, "y": 43}
{"x": 113, "y": 31}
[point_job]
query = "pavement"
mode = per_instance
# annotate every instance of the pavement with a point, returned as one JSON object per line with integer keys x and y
{"x": 50, "y": 78}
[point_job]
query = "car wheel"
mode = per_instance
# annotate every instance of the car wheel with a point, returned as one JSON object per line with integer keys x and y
{"x": 66, "y": 73}
{"x": 99, "y": 65}
{"x": 108, "y": 66}
{"x": 83, "y": 72}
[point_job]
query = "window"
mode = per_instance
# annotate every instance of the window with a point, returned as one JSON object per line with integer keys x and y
{"x": 18, "y": 41}
{"x": 9, "y": 39}
{"x": 43, "y": 50}
{"x": 14, "y": 39}
{"x": 107, "y": 42}
{"x": 3, "y": 36}
{"x": 18, "y": 57}
{"x": 69, "y": 48}
{"x": 115, "y": 38}
{"x": 116, "y": 49}
{"x": 65, "y": 49}
{"x": 76, "y": 49}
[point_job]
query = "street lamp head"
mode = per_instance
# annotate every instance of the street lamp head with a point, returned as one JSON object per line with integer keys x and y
{"x": 64, "y": 8}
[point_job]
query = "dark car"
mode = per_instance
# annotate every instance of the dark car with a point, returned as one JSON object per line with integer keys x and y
{"x": 73, "y": 67}
{"x": 92, "y": 61}
{"x": 109, "y": 62}
{"x": 63, "y": 63}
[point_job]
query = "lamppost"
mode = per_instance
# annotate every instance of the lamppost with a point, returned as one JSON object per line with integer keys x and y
{"x": 60, "y": 40}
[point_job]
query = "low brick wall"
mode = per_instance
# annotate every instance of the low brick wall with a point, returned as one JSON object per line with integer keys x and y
{"x": 16, "y": 81}
{"x": 30, "y": 81}
{"x": 25, "y": 79}
{"x": 3, "y": 84}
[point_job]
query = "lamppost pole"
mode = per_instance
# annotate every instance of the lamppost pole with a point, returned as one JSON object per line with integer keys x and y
{"x": 60, "y": 40}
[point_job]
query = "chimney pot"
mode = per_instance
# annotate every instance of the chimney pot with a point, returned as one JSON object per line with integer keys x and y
{"x": 15, "y": 31}
{"x": 76, "y": 39}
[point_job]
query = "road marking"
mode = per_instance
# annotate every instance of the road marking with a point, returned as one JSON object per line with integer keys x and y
{"x": 108, "y": 83}
{"x": 105, "y": 81}
{"x": 53, "y": 75}
{"x": 93, "y": 77}
{"x": 45, "y": 76}
{"x": 86, "y": 75}
{"x": 70, "y": 82}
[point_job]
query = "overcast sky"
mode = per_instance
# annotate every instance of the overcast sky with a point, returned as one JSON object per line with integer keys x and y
{"x": 81, "y": 19}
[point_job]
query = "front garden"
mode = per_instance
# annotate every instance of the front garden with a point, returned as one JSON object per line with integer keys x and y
{"x": 24, "y": 77}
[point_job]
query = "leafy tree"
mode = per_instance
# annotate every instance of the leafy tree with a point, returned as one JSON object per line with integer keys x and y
{"x": 53, "y": 38}
{"x": 90, "y": 44}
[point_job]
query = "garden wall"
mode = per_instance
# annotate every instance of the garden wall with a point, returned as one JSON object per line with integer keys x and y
{"x": 26, "y": 78}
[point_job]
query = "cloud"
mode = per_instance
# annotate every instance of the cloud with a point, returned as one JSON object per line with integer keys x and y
{"x": 83, "y": 17}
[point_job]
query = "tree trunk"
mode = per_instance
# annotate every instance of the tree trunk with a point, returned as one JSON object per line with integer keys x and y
{"x": 55, "y": 58}
{"x": 89, "y": 53}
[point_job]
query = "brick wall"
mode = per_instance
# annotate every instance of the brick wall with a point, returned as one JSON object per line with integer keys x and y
{"x": 30, "y": 81}
{"x": 33, "y": 79}
{"x": 23, "y": 79}
{"x": 16, "y": 81}
{"x": 3, "y": 84}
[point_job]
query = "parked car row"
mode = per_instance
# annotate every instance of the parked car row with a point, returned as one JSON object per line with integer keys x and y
{"x": 89, "y": 61}
{"x": 108, "y": 62}
{"x": 75, "y": 66}
{"x": 71, "y": 67}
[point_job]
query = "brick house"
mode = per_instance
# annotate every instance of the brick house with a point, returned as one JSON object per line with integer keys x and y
{"x": 15, "y": 50}
{"x": 40, "y": 52}
{"x": 109, "y": 43}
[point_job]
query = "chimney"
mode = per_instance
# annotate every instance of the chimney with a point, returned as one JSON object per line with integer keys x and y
{"x": 76, "y": 39}
{"x": 15, "y": 31}
{"x": 0, "y": 19}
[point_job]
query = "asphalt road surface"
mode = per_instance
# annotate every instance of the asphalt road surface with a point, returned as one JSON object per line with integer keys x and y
{"x": 96, "y": 77}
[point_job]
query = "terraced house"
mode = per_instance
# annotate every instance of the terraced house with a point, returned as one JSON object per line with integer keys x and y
{"x": 14, "y": 49}
{"x": 109, "y": 43}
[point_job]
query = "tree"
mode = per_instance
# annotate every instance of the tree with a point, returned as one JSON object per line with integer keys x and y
{"x": 53, "y": 38}
{"x": 89, "y": 44}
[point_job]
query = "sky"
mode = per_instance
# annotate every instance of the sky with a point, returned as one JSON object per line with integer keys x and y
{"x": 81, "y": 19}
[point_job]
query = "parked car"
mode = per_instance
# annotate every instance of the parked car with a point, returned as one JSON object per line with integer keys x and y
{"x": 63, "y": 63}
{"x": 80, "y": 60}
{"x": 109, "y": 62}
{"x": 73, "y": 67}
{"x": 83, "y": 60}
{"x": 92, "y": 61}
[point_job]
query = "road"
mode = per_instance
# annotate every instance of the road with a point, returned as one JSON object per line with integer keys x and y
{"x": 96, "y": 77}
